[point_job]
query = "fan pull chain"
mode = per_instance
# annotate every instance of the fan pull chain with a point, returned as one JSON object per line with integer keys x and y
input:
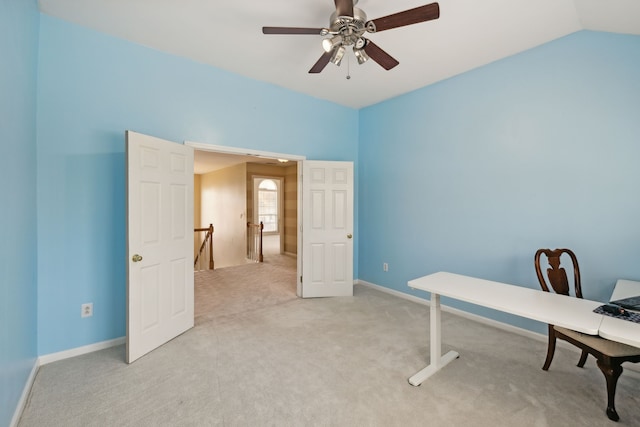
{"x": 348, "y": 68}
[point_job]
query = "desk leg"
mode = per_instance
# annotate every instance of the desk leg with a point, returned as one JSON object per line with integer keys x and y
{"x": 437, "y": 361}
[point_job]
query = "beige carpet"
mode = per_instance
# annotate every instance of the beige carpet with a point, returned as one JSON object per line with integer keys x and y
{"x": 259, "y": 356}
{"x": 244, "y": 288}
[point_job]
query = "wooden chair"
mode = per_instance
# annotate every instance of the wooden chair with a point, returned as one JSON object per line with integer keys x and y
{"x": 609, "y": 354}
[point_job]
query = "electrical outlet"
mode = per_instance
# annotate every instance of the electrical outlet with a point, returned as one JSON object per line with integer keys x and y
{"x": 385, "y": 266}
{"x": 86, "y": 310}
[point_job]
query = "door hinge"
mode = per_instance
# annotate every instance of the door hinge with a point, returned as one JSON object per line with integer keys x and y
{"x": 300, "y": 279}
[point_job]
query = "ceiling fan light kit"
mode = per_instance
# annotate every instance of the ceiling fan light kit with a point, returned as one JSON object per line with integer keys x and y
{"x": 338, "y": 53}
{"x": 361, "y": 55}
{"x": 347, "y": 27}
{"x": 329, "y": 44}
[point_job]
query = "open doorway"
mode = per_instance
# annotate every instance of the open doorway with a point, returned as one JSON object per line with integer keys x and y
{"x": 327, "y": 255}
{"x": 228, "y": 180}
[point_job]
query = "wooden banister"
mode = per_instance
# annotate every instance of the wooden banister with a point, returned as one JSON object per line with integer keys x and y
{"x": 208, "y": 238}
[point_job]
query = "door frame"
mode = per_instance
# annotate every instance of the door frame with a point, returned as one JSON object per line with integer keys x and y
{"x": 269, "y": 155}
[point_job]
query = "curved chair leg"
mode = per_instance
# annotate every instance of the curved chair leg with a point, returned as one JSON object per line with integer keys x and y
{"x": 583, "y": 358}
{"x": 551, "y": 348}
{"x": 611, "y": 373}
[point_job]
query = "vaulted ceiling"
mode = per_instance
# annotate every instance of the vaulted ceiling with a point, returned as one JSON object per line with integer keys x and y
{"x": 228, "y": 35}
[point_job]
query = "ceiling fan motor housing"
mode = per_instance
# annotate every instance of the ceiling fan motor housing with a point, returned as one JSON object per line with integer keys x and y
{"x": 350, "y": 28}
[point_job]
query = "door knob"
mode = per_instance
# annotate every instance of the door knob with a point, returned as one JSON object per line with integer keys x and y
{"x": 136, "y": 258}
{"x": 349, "y": 236}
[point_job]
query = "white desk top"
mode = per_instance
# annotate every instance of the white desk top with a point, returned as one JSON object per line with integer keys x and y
{"x": 569, "y": 312}
{"x": 618, "y": 329}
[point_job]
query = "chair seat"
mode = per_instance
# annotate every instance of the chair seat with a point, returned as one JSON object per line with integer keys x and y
{"x": 604, "y": 346}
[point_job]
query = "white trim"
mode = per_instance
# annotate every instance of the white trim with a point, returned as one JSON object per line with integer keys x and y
{"x": 78, "y": 351}
{"x": 398, "y": 294}
{"x": 17, "y": 414}
{"x": 55, "y": 357}
{"x": 484, "y": 320}
{"x": 461, "y": 313}
{"x": 242, "y": 151}
{"x": 299, "y": 234}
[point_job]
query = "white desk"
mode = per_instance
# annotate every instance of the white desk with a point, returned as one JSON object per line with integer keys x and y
{"x": 569, "y": 312}
{"x": 618, "y": 329}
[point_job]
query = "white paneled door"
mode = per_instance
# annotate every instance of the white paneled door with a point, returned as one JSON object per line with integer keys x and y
{"x": 159, "y": 242}
{"x": 327, "y": 228}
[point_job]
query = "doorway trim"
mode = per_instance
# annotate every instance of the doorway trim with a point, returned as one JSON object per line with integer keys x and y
{"x": 200, "y": 146}
{"x": 242, "y": 151}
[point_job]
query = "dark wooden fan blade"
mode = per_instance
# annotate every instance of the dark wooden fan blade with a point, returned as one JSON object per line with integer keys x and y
{"x": 322, "y": 62}
{"x": 380, "y": 56}
{"x": 408, "y": 17}
{"x": 344, "y": 7}
{"x": 290, "y": 30}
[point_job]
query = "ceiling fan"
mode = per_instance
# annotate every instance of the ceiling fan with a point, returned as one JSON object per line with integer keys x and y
{"x": 347, "y": 27}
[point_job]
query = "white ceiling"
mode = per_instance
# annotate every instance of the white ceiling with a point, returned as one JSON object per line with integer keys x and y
{"x": 228, "y": 35}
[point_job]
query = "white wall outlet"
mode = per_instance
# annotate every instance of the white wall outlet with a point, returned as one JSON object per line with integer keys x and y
{"x": 385, "y": 266}
{"x": 86, "y": 310}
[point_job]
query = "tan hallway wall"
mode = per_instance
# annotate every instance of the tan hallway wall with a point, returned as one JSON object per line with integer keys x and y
{"x": 223, "y": 204}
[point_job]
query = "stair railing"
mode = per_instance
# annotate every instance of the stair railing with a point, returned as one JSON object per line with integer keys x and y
{"x": 206, "y": 249}
{"x": 254, "y": 242}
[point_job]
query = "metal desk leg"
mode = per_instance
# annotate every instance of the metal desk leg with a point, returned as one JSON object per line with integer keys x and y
{"x": 437, "y": 361}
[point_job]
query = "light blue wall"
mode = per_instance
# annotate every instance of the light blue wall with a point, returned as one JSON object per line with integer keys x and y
{"x": 91, "y": 88}
{"x": 18, "y": 59}
{"x": 472, "y": 175}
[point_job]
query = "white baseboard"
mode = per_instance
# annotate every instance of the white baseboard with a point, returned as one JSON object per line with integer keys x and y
{"x": 484, "y": 320}
{"x": 467, "y": 315}
{"x": 61, "y": 355}
{"x": 54, "y": 357}
{"x": 25, "y": 394}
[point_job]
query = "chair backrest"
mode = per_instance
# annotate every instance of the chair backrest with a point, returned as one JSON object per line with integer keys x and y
{"x": 557, "y": 276}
